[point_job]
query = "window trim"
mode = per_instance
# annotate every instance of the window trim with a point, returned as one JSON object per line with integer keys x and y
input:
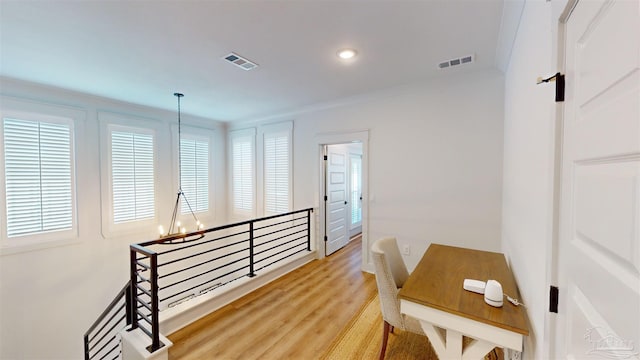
{"x": 120, "y": 122}
{"x": 273, "y": 130}
{"x": 42, "y": 112}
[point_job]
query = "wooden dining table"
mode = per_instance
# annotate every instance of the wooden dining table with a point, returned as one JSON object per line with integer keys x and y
{"x": 434, "y": 295}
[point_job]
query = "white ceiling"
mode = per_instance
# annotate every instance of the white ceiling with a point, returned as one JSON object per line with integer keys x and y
{"x": 144, "y": 51}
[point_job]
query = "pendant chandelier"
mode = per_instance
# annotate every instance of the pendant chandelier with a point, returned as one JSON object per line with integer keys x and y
{"x": 175, "y": 226}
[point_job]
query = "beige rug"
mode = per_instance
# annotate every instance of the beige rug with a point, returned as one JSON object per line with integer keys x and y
{"x": 362, "y": 337}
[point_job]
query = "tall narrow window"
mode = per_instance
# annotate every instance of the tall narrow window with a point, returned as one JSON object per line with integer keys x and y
{"x": 132, "y": 176}
{"x": 194, "y": 172}
{"x": 277, "y": 163}
{"x": 242, "y": 158}
{"x": 38, "y": 160}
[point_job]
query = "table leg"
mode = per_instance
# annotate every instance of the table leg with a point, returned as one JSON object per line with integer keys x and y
{"x": 436, "y": 338}
{"x": 448, "y": 344}
{"x": 454, "y": 345}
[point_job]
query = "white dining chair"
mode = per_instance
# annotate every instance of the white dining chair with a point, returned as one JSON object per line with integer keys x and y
{"x": 391, "y": 273}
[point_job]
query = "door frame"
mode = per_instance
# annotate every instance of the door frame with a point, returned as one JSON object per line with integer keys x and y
{"x": 550, "y": 342}
{"x": 321, "y": 140}
{"x": 553, "y": 337}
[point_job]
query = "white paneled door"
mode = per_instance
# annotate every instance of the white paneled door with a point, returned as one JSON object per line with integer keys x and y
{"x": 599, "y": 244}
{"x": 337, "y": 199}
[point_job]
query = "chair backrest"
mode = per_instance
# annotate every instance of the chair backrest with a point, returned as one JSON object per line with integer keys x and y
{"x": 391, "y": 274}
{"x": 389, "y": 248}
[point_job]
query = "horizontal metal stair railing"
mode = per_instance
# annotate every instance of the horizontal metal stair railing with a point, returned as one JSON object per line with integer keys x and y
{"x": 168, "y": 271}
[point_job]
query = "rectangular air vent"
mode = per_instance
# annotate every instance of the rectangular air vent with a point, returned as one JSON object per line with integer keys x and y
{"x": 456, "y": 62}
{"x": 241, "y": 62}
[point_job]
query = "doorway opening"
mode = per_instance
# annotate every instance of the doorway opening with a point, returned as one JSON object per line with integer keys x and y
{"x": 343, "y": 189}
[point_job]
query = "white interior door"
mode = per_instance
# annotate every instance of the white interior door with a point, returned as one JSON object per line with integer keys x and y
{"x": 336, "y": 204}
{"x": 599, "y": 244}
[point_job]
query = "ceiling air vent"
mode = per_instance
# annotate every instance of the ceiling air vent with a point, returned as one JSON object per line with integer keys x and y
{"x": 239, "y": 61}
{"x": 456, "y": 62}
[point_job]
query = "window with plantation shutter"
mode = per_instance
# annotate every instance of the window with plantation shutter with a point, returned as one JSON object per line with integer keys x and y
{"x": 38, "y": 167}
{"x": 132, "y": 176}
{"x": 242, "y": 159}
{"x": 356, "y": 189}
{"x": 194, "y": 173}
{"x": 277, "y": 173}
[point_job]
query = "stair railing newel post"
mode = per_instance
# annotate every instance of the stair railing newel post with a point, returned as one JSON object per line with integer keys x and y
{"x": 133, "y": 258}
{"x": 86, "y": 347}
{"x": 251, "y": 251}
{"x": 155, "y": 304}
{"x": 309, "y": 230}
{"x": 129, "y": 309}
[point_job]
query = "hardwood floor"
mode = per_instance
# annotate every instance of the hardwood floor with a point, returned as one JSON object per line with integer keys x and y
{"x": 294, "y": 317}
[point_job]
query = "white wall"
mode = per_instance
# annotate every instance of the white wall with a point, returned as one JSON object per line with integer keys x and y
{"x": 529, "y": 148}
{"x": 435, "y": 160}
{"x": 50, "y": 297}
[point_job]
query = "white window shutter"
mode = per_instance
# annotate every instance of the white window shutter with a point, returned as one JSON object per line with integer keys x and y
{"x": 242, "y": 174}
{"x": 132, "y": 172}
{"x": 38, "y": 176}
{"x": 277, "y": 173}
{"x": 202, "y": 176}
{"x": 356, "y": 190}
{"x": 194, "y": 174}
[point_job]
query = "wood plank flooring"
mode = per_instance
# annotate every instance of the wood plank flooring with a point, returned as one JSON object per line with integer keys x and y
{"x": 294, "y": 317}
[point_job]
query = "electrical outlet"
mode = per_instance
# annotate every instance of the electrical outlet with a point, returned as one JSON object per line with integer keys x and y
{"x": 406, "y": 250}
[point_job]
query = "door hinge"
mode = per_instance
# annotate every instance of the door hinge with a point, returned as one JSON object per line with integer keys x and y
{"x": 553, "y": 299}
{"x": 325, "y": 238}
{"x": 326, "y": 198}
{"x": 326, "y": 158}
{"x": 559, "y": 87}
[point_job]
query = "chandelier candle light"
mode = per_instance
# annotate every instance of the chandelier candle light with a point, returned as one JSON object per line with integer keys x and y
{"x": 176, "y": 227}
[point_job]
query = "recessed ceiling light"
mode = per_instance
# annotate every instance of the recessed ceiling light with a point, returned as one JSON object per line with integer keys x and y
{"x": 347, "y": 54}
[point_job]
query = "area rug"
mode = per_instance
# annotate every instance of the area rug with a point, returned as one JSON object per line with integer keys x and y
{"x": 362, "y": 337}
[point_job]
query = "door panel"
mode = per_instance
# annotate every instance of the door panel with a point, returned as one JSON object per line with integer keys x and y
{"x": 599, "y": 245}
{"x": 606, "y": 209}
{"x": 617, "y": 135}
{"x": 337, "y": 227}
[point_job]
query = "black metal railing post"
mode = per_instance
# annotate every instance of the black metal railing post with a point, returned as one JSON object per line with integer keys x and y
{"x": 129, "y": 304}
{"x": 86, "y": 347}
{"x": 309, "y": 229}
{"x": 251, "y": 251}
{"x": 155, "y": 304}
{"x": 133, "y": 295}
